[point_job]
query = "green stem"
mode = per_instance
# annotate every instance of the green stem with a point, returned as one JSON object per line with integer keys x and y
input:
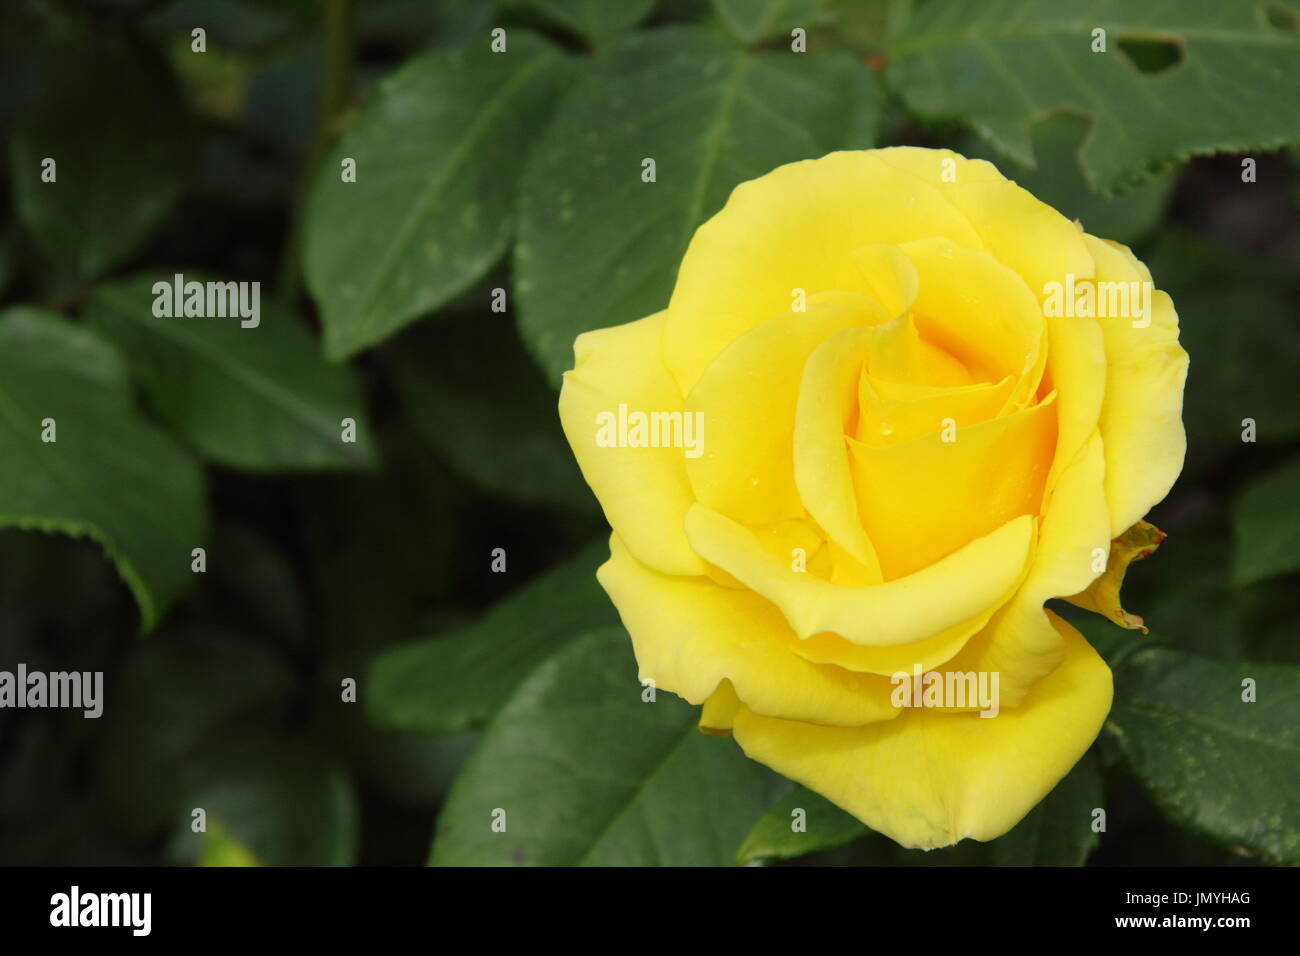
{"x": 336, "y": 87}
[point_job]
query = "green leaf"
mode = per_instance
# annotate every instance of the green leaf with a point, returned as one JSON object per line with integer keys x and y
{"x": 448, "y": 684}
{"x": 1237, "y": 324}
{"x": 825, "y": 827}
{"x": 258, "y": 398}
{"x": 438, "y": 150}
{"x": 1245, "y": 345}
{"x": 46, "y": 341}
{"x": 597, "y": 246}
{"x": 8, "y": 256}
{"x": 279, "y": 108}
{"x": 238, "y": 24}
{"x": 594, "y": 19}
{"x": 1187, "y": 592}
{"x": 418, "y": 25}
{"x": 172, "y": 699}
{"x": 587, "y": 772}
{"x": 122, "y": 155}
{"x": 219, "y": 848}
{"x": 280, "y": 800}
{"x": 1266, "y": 526}
{"x": 505, "y": 439}
{"x": 1211, "y": 761}
{"x": 1002, "y": 64}
{"x": 1057, "y": 832}
{"x": 868, "y": 26}
{"x": 413, "y": 770}
{"x": 1264, "y": 615}
{"x": 1058, "y": 181}
{"x": 107, "y": 476}
{"x": 387, "y": 552}
{"x": 754, "y": 20}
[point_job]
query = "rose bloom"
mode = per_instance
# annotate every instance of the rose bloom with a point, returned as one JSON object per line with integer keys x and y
{"x": 889, "y": 411}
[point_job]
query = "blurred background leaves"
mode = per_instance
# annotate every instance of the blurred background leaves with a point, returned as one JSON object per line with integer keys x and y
{"x": 498, "y": 210}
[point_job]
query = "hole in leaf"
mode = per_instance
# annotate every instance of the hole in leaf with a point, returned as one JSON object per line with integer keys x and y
{"x": 1152, "y": 56}
{"x": 1281, "y": 17}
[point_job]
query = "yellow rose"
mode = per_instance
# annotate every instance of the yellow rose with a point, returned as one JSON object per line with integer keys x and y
{"x": 894, "y": 405}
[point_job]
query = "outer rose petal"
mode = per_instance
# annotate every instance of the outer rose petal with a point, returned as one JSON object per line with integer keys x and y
{"x": 691, "y": 634}
{"x": 929, "y": 779}
{"x": 1141, "y": 416}
{"x": 643, "y": 491}
{"x": 719, "y": 710}
{"x": 1076, "y": 369}
{"x": 795, "y": 228}
{"x": 1020, "y": 230}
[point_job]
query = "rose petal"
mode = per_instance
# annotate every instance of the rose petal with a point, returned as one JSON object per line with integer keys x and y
{"x": 892, "y": 421}
{"x": 943, "y": 595}
{"x": 1141, "y": 417}
{"x": 976, "y": 309}
{"x": 926, "y": 498}
{"x": 929, "y": 779}
{"x": 1019, "y": 642}
{"x": 796, "y": 227}
{"x": 690, "y": 634}
{"x": 748, "y": 396}
{"x": 825, "y": 413}
{"x": 643, "y": 491}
